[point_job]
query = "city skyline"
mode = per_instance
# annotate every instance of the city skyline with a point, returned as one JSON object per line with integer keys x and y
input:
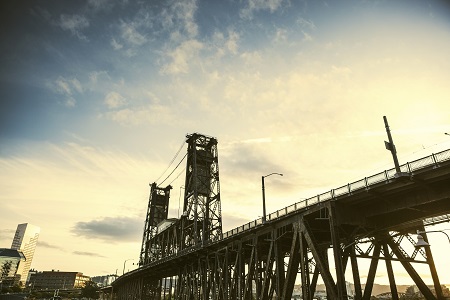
{"x": 96, "y": 97}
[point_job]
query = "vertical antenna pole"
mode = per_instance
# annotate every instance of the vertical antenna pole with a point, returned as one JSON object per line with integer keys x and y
{"x": 390, "y": 146}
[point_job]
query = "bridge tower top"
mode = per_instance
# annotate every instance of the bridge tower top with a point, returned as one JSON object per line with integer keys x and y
{"x": 202, "y": 219}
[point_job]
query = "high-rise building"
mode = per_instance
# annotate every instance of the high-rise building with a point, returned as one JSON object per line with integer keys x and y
{"x": 25, "y": 239}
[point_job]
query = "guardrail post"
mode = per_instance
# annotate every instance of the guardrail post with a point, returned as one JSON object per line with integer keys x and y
{"x": 435, "y": 160}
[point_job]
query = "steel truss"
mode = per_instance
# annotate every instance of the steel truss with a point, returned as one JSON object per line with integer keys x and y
{"x": 320, "y": 241}
{"x": 268, "y": 263}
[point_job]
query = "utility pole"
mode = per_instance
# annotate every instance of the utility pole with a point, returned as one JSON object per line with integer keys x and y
{"x": 391, "y": 147}
{"x": 264, "y": 194}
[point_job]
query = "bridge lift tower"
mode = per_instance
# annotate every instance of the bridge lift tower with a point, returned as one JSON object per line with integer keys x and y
{"x": 157, "y": 211}
{"x": 202, "y": 216}
{"x": 201, "y": 221}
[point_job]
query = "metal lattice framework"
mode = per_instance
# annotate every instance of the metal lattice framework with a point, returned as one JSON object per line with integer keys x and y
{"x": 157, "y": 212}
{"x": 201, "y": 220}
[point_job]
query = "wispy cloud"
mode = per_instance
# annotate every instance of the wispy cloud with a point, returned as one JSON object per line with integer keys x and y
{"x": 75, "y": 24}
{"x": 114, "y": 229}
{"x": 306, "y": 36}
{"x": 250, "y": 157}
{"x": 281, "y": 35}
{"x": 67, "y": 87}
{"x": 179, "y": 19}
{"x": 306, "y": 24}
{"x": 44, "y": 244}
{"x": 257, "y": 5}
{"x": 100, "y": 5}
{"x": 115, "y": 100}
{"x": 225, "y": 44}
{"x": 181, "y": 57}
{"x": 130, "y": 34}
{"x": 149, "y": 114}
{"x": 96, "y": 76}
{"x": 115, "y": 44}
{"x": 7, "y": 234}
{"x": 84, "y": 253}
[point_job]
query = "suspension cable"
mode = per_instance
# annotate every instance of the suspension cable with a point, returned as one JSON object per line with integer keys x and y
{"x": 174, "y": 169}
{"x": 181, "y": 172}
{"x": 171, "y": 162}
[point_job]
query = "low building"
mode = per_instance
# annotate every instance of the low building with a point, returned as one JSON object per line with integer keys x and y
{"x": 10, "y": 259}
{"x": 58, "y": 280}
{"x": 105, "y": 280}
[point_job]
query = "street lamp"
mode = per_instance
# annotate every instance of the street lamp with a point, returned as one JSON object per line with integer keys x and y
{"x": 264, "y": 194}
{"x": 422, "y": 243}
{"x": 123, "y": 272}
{"x": 447, "y": 133}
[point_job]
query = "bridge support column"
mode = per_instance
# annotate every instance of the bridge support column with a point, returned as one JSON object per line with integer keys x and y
{"x": 279, "y": 265}
{"x": 372, "y": 272}
{"x": 268, "y": 278}
{"x": 292, "y": 270}
{"x": 315, "y": 277}
{"x": 337, "y": 252}
{"x": 411, "y": 271}
{"x": 321, "y": 260}
{"x": 430, "y": 261}
{"x": 250, "y": 272}
{"x": 355, "y": 272}
{"x": 304, "y": 267}
{"x": 390, "y": 272}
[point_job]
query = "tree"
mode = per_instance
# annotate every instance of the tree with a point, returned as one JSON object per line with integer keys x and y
{"x": 445, "y": 291}
{"x": 6, "y": 267}
{"x": 90, "y": 290}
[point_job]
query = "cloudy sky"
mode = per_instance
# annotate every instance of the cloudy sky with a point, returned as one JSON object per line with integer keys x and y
{"x": 96, "y": 98}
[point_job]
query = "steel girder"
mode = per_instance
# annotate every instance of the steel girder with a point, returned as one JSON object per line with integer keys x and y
{"x": 268, "y": 266}
{"x": 268, "y": 263}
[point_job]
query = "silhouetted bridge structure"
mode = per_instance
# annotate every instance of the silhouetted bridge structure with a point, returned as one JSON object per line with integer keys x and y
{"x": 325, "y": 236}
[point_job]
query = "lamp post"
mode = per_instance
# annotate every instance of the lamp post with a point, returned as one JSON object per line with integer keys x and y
{"x": 123, "y": 272}
{"x": 422, "y": 243}
{"x": 264, "y": 194}
{"x": 447, "y": 133}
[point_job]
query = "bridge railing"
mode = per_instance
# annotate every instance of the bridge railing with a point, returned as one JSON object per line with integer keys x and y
{"x": 386, "y": 176}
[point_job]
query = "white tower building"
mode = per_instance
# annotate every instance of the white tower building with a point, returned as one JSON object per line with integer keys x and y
{"x": 25, "y": 239}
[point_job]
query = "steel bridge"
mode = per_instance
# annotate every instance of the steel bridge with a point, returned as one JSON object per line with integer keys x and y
{"x": 325, "y": 236}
